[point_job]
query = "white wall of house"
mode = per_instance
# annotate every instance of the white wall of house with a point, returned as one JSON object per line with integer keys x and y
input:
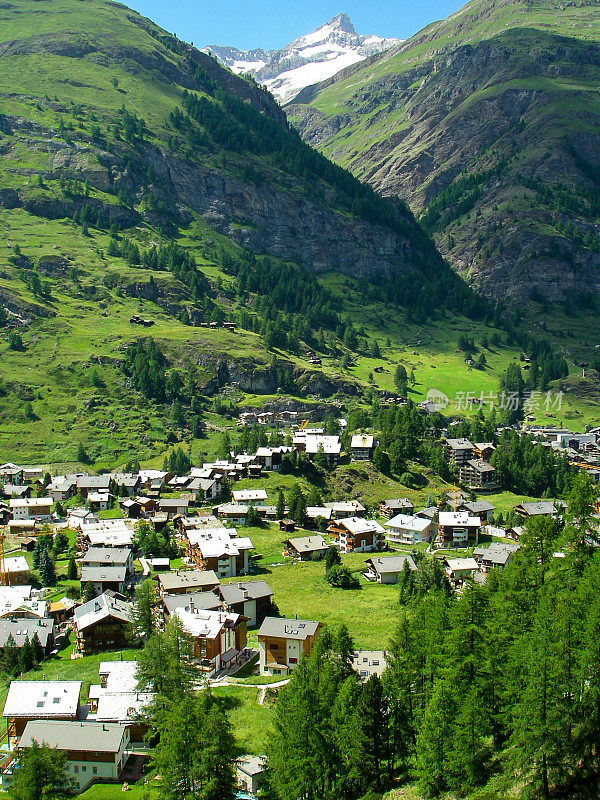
{"x": 262, "y": 658}
{"x": 83, "y": 772}
{"x": 293, "y": 651}
{"x": 388, "y": 577}
{"x": 250, "y": 612}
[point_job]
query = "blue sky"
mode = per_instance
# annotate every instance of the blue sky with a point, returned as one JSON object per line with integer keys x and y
{"x": 271, "y": 24}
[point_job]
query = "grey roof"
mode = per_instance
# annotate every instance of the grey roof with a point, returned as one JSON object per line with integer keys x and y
{"x": 233, "y": 593}
{"x": 428, "y": 512}
{"x": 173, "y": 502}
{"x": 308, "y": 544}
{"x": 92, "y": 737}
{"x": 15, "y": 491}
{"x": 108, "y": 604}
{"x": 127, "y": 479}
{"x": 391, "y": 564}
{"x": 23, "y": 629}
{"x": 459, "y": 444}
{"x": 108, "y": 574}
{"x": 480, "y": 465}
{"x": 93, "y": 481}
{"x": 479, "y": 506}
{"x": 496, "y": 553}
{"x": 282, "y": 628}
{"x": 204, "y": 600}
{"x": 540, "y": 507}
{"x": 399, "y": 502}
{"x": 252, "y": 765}
{"x": 201, "y": 483}
{"x": 171, "y": 581}
{"x": 111, "y": 556}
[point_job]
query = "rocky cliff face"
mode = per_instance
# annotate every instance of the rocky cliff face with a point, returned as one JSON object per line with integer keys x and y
{"x": 494, "y": 144}
{"x": 265, "y": 218}
{"x": 219, "y": 166}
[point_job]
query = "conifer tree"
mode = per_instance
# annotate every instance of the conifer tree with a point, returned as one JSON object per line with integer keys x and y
{"x": 26, "y": 660}
{"x": 37, "y": 649}
{"x": 280, "y": 505}
{"x": 72, "y": 569}
{"x": 47, "y": 569}
{"x": 434, "y": 743}
{"x": 41, "y": 773}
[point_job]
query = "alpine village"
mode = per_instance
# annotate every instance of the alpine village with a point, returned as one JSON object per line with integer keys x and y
{"x": 300, "y": 408}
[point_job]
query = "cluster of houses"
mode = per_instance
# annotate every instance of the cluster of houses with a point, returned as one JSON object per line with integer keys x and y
{"x": 211, "y": 595}
{"x": 582, "y": 449}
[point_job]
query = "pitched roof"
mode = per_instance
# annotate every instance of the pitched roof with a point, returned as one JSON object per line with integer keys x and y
{"x": 31, "y": 502}
{"x": 119, "y": 675}
{"x": 331, "y": 444}
{"x": 408, "y": 522}
{"x": 251, "y": 765}
{"x": 479, "y": 506}
{"x": 248, "y": 495}
{"x": 357, "y": 525}
{"x": 480, "y": 465}
{"x": 429, "y": 512}
{"x": 173, "y": 502}
{"x": 217, "y": 542}
{"x": 308, "y": 544}
{"x": 233, "y": 593}
{"x": 399, "y": 502}
{"x": 111, "y": 556}
{"x": 496, "y": 553}
{"x": 460, "y": 564}
{"x": 15, "y": 598}
{"x": 342, "y": 506}
{"x": 171, "y": 581}
{"x": 102, "y": 607}
{"x": 200, "y": 622}
{"x": 23, "y": 628}
{"x": 282, "y": 628}
{"x": 391, "y": 564}
{"x": 42, "y": 699}
{"x": 538, "y": 508}
{"x": 206, "y": 600}
{"x": 93, "y": 482}
{"x": 312, "y": 512}
{"x": 79, "y": 736}
{"x": 121, "y": 706}
{"x": 103, "y": 574}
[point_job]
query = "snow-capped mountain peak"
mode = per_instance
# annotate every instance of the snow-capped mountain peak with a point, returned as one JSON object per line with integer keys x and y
{"x": 309, "y": 59}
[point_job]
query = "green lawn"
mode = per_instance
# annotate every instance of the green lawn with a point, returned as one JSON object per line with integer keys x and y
{"x": 251, "y": 721}
{"x": 110, "y": 791}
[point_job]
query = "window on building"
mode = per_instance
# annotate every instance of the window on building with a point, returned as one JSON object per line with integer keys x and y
{"x": 95, "y": 770}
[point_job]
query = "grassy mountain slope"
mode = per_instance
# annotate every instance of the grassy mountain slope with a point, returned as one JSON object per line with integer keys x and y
{"x": 487, "y": 123}
{"x": 210, "y": 209}
{"x": 139, "y": 176}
